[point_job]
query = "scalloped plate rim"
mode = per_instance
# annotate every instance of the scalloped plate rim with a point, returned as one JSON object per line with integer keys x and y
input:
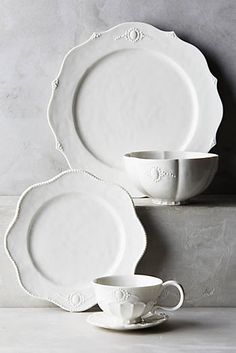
{"x": 123, "y": 26}
{"x": 17, "y": 214}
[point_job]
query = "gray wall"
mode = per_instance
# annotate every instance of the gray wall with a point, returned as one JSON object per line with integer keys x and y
{"x": 35, "y": 35}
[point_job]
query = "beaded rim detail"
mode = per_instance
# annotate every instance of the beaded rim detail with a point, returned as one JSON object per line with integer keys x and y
{"x": 17, "y": 213}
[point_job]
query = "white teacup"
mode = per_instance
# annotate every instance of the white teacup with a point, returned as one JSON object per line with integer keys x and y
{"x": 131, "y": 298}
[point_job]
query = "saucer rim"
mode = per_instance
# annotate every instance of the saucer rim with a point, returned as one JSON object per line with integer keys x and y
{"x": 128, "y": 327}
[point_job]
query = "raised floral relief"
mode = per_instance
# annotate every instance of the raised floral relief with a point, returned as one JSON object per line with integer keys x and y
{"x": 121, "y": 295}
{"x": 124, "y": 304}
{"x": 75, "y": 300}
{"x": 59, "y": 146}
{"x": 156, "y": 174}
{"x": 95, "y": 35}
{"x": 132, "y": 34}
{"x": 55, "y": 83}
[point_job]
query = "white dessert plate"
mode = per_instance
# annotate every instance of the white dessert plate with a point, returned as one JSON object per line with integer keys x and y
{"x": 133, "y": 87}
{"x": 103, "y": 320}
{"x": 69, "y": 230}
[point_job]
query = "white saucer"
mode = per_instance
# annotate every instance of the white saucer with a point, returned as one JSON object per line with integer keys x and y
{"x": 103, "y": 320}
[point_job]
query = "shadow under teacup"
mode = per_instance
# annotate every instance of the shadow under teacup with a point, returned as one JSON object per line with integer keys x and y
{"x": 131, "y": 298}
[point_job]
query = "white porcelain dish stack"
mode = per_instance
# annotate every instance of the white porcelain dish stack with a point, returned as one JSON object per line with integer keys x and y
{"x": 131, "y": 88}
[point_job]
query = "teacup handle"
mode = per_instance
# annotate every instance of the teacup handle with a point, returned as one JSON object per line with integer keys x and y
{"x": 181, "y": 299}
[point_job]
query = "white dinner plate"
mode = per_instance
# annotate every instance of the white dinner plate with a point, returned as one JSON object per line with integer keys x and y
{"x": 68, "y": 231}
{"x": 133, "y": 87}
{"x": 103, "y": 320}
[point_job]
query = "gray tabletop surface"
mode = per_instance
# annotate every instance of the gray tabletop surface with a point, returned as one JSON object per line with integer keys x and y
{"x": 53, "y": 330}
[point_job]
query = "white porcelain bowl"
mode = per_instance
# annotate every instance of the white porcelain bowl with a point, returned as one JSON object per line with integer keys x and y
{"x": 171, "y": 178}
